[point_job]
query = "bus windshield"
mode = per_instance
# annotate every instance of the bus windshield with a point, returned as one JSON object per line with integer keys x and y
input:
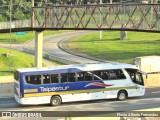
{"x": 136, "y": 76}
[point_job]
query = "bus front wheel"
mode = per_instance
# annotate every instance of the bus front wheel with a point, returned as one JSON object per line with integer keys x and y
{"x": 55, "y": 100}
{"x": 122, "y": 95}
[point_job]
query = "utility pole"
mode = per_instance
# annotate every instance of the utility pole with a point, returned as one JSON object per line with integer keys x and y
{"x": 10, "y": 60}
{"x": 32, "y": 3}
{"x": 32, "y": 22}
{"x": 100, "y": 33}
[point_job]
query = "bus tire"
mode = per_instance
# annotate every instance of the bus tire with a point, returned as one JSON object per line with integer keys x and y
{"x": 122, "y": 95}
{"x": 55, "y": 100}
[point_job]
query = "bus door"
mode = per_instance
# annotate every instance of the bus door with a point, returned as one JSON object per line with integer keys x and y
{"x": 137, "y": 79}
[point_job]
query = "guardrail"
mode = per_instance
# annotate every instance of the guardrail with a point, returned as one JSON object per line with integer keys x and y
{"x": 50, "y": 57}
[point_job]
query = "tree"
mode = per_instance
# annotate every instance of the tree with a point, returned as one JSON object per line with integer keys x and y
{"x": 21, "y": 9}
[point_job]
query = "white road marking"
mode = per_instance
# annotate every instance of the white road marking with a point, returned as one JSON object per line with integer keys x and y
{"x": 156, "y": 92}
{"x": 6, "y": 97}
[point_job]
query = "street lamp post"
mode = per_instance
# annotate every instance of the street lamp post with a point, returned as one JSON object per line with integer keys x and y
{"x": 10, "y": 10}
{"x": 32, "y": 21}
{"x": 100, "y": 33}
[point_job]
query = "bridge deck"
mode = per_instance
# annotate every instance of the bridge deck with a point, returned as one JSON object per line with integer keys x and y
{"x": 130, "y": 17}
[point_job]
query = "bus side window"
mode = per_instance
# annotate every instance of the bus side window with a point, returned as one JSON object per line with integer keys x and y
{"x": 63, "y": 77}
{"x": 71, "y": 77}
{"x": 104, "y": 75}
{"x": 35, "y": 79}
{"x": 54, "y": 78}
{"x": 80, "y": 76}
{"x": 88, "y": 76}
{"x": 116, "y": 75}
{"x": 27, "y": 79}
{"x": 97, "y": 75}
{"x": 112, "y": 75}
{"x": 46, "y": 79}
{"x": 120, "y": 74}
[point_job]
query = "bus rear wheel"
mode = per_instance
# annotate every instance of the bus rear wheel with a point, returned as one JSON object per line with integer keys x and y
{"x": 55, "y": 101}
{"x": 122, "y": 95}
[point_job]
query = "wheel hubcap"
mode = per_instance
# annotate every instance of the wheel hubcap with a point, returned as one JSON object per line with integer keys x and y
{"x": 55, "y": 101}
{"x": 122, "y": 96}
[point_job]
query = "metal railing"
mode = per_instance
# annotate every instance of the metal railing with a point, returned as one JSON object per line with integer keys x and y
{"x": 97, "y": 17}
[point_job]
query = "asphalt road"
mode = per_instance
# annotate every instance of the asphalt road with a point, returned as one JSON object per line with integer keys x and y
{"x": 151, "y": 99}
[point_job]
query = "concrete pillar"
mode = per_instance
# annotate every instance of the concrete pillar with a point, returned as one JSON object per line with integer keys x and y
{"x": 123, "y": 35}
{"x": 38, "y": 48}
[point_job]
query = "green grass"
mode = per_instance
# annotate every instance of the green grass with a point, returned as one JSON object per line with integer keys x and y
{"x": 113, "y": 49}
{"x": 5, "y": 37}
{"x": 17, "y": 60}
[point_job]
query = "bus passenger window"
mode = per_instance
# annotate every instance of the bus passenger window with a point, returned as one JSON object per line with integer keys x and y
{"x": 63, "y": 77}
{"x": 46, "y": 79}
{"x": 104, "y": 75}
{"x": 35, "y": 79}
{"x": 54, "y": 78}
{"x": 71, "y": 77}
{"x": 88, "y": 76}
{"x": 112, "y": 75}
{"x": 80, "y": 76}
{"x": 27, "y": 79}
{"x": 120, "y": 74}
{"x": 97, "y": 75}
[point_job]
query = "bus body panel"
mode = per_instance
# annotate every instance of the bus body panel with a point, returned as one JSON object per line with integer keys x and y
{"x": 75, "y": 97}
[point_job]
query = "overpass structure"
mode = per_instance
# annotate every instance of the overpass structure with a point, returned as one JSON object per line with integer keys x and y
{"x": 130, "y": 17}
{"x": 126, "y": 17}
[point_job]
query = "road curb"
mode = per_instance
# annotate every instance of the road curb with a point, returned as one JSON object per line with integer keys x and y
{"x": 1, "y": 97}
{"x": 63, "y": 45}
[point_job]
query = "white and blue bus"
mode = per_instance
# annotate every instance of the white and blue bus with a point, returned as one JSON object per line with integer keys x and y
{"x": 79, "y": 82}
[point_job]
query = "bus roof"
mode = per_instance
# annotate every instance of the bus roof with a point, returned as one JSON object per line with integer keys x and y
{"x": 81, "y": 67}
